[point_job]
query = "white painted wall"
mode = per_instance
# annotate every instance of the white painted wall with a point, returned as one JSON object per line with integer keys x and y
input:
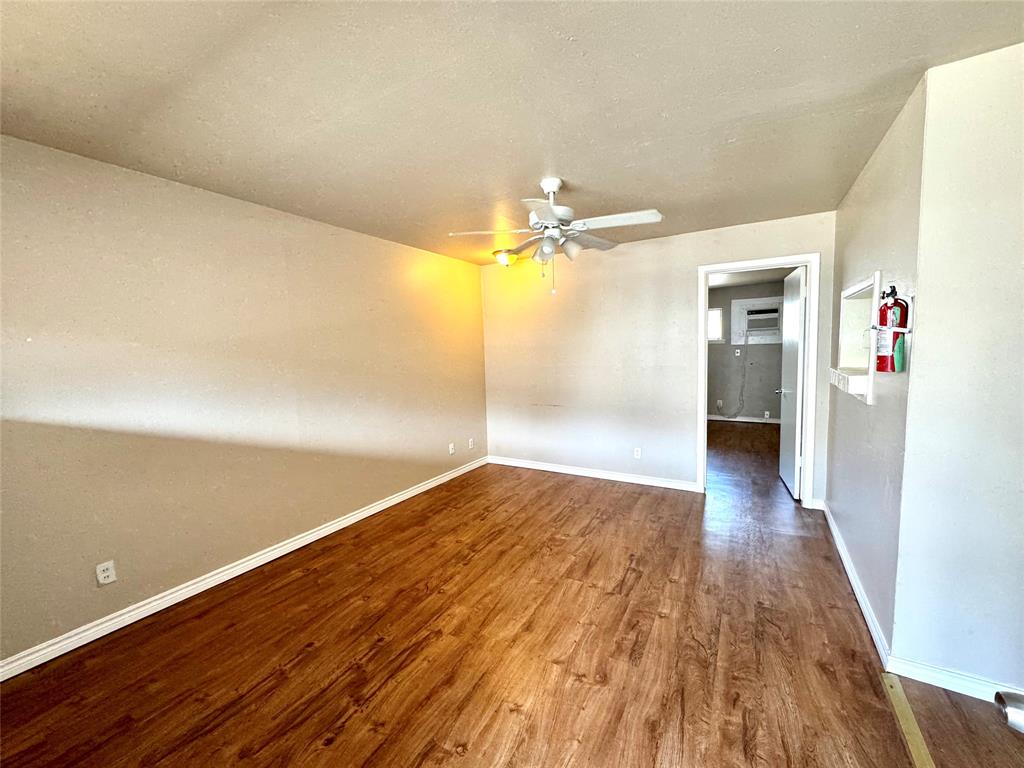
{"x": 609, "y": 362}
{"x": 876, "y": 228}
{"x": 960, "y": 585}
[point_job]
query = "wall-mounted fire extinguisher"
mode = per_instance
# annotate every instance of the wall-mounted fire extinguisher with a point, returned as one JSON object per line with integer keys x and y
{"x": 891, "y": 355}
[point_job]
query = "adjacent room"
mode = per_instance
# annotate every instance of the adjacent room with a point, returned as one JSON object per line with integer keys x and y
{"x": 598, "y": 384}
{"x": 744, "y": 377}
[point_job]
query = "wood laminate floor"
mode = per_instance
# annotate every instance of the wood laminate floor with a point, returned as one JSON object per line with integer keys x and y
{"x": 510, "y": 617}
{"x": 962, "y": 732}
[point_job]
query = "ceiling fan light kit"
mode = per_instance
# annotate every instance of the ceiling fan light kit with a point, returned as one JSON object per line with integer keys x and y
{"x": 571, "y": 249}
{"x": 553, "y": 226}
{"x": 546, "y": 250}
{"x": 505, "y": 257}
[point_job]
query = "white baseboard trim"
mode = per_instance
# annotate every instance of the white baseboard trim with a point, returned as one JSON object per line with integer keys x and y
{"x": 961, "y": 682}
{"x": 818, "y": 504}
{"x": 858, "y": 589}
{"x": 601, "y": 474}
{"x": 950, "y": 679}
{"x": 20, "y": 662}
{"x": 744, "y": 419}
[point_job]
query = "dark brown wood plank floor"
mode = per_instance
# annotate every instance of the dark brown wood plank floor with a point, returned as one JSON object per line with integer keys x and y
{"x": 507, "y": 618}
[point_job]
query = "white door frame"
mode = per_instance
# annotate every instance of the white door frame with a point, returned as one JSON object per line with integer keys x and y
{"x": 813, "y": 263}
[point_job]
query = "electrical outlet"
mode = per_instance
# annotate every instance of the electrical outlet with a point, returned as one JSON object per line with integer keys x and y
{"x": 451, "y": 449}
{"x": 718, "y": 403}
{"x": 736, "y": 351}
{"x": 105, "y": 573}
{"x": 472, "y": 443}
{"x": 636, "y": 453}
{"x": 767, "y": 414}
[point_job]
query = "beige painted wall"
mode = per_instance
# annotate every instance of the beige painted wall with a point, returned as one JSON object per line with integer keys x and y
{"x": 609, "y": 362}
{"x": 960, "y": 589}
{"x": 188, "y": 378}
{"x": 926, "y": 485}
{"x": 876, "y": 228}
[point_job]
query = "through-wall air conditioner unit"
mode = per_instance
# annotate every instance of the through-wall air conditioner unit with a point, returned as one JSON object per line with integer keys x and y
{"x": 756, "y": 321}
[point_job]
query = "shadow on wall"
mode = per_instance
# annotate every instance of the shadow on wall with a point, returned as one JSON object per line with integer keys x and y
{"x": 166, "y": 509}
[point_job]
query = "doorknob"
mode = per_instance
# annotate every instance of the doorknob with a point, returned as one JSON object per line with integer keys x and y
{"x": 779, "y": 391}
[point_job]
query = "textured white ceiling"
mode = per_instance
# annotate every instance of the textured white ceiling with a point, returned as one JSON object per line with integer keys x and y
{"x": 407, "y": 120}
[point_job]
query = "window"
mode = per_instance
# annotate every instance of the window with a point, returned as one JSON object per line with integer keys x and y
{"x": 715, "y": 325}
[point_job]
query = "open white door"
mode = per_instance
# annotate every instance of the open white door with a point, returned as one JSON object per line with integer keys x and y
{"x": 794, "y": 315}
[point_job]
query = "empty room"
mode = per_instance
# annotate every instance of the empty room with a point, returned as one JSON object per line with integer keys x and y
{"x": 532, "y": 384}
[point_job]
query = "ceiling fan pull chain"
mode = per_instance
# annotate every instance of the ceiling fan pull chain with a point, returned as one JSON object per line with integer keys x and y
{"x": 553, "y": 289}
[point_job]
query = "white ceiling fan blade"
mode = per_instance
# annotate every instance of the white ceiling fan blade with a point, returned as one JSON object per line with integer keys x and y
{"x": 491, "y": 232}
{"x": 533, "y": 203}
{"x": 593, "y": 241}
{"x": 650, "y": 216}
{"x": 544, "y": 210}
{"x": 541, "y": 209}
{"x": 525, "y": 244}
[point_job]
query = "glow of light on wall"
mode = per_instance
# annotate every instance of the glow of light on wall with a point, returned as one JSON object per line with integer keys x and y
{"x": 440, "y": 291}
{"x": 504, "y": 216}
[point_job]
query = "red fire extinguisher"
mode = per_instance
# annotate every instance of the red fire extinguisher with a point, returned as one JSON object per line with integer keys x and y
{"x": 891, "y": 355}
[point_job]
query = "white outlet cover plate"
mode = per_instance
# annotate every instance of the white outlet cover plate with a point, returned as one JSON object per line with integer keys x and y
{"x": 106, "y": 573}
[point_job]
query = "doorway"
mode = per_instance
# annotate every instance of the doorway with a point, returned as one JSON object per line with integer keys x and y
{"x": 757, "y": 353}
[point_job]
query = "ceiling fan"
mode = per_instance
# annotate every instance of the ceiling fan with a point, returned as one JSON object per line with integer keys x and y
{"x": 553, "y": 226}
